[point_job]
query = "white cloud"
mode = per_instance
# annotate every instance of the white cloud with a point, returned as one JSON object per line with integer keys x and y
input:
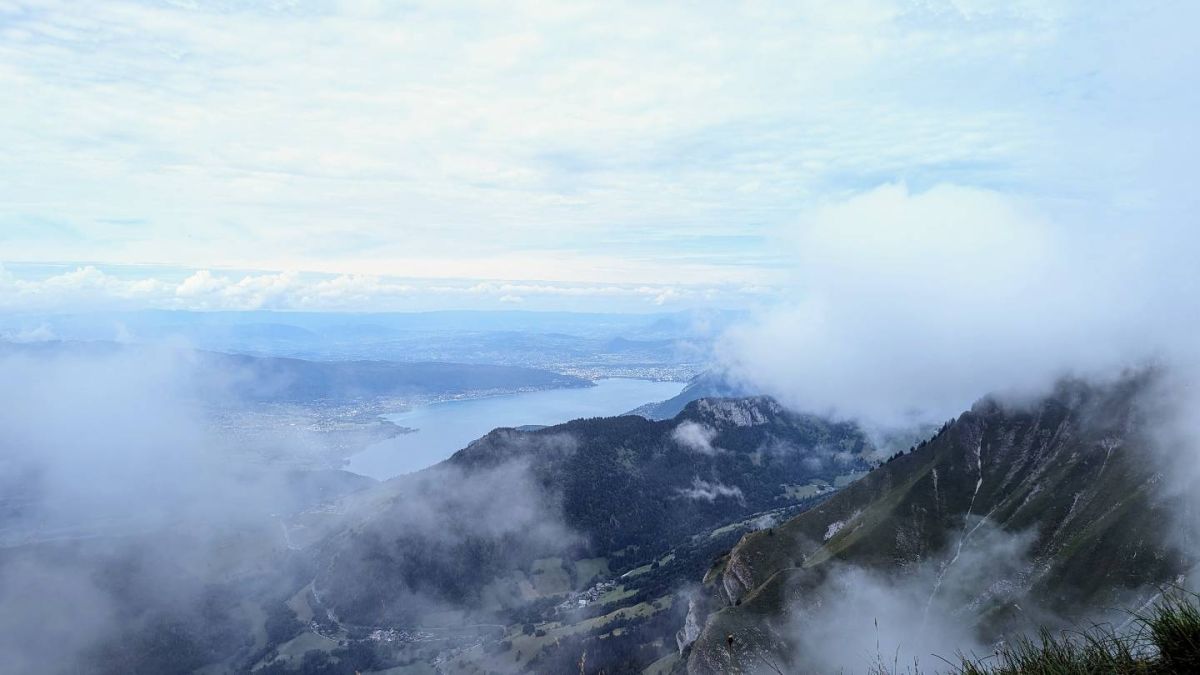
{"x": 916, "y": 303}
{"x": 711, "y": 491}
{"x": 514, "y": 139}
{"x": 695, "y": 437}
{"x": 92, "y": 288}
{"x": 41, "y": 333}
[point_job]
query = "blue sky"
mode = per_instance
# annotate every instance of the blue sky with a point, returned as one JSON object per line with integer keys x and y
{"x": 371, "y": 155}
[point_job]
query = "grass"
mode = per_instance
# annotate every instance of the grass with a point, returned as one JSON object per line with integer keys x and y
{"x": 588, "y": 570}
{"x": 529, "y": 646}
{"x": 1163, "y": 640}
{"x": 548, "y": 577}
{"x": 799, "y": 492}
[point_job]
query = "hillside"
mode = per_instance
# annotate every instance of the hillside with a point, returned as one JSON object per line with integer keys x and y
{"x": 1012, "y": 515}
{"x": 606, "y": 515}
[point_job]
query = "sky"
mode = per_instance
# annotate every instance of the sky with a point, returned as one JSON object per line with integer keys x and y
{"x": 600, "y": 156}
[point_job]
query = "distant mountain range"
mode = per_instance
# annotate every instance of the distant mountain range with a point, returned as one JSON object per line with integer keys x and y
{"x": 285, "y": 379}
{"x": 638, "y": 345}
{"x": 233, "y": 378}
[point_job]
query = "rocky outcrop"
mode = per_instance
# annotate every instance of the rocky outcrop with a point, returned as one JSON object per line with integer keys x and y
{"x": 741, "y": 412}
{"x": 691, "y": 627}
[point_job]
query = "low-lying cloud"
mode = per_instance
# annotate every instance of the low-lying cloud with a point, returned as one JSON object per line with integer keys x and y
{"x": 452, "y": 538}
{"x": 916, "y": 619}
{"x": 124, "y": 511}
{"x": 88, "y": 287}
{"x": 116, "y": 499}
{"x": 111, "y": 435}
{"x": 696, "y": 437}
{"x": 710, "y": 491}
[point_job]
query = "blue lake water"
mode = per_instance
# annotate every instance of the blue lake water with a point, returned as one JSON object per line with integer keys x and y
{"x": 444, "y": 428}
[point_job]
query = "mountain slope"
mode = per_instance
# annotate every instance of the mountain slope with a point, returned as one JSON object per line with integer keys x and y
{"x": 623, "y": 488}
{"x": 1065, "y": 481}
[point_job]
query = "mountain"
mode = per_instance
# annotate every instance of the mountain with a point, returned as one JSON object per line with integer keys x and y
{"x": 1011, "y": 515}
{"x": 708, "y": 384}
{"x": 287, "y": 379}
{"x": 232, "y": 378}
{"x": 660, "y": 345}
{"x": 574, "y": 531}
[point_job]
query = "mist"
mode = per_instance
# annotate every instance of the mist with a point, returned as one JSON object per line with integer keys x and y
{"x": 917, "y": 619}
{"x": 695, "y": 437}
{"x": 907, "y": 306}
{"x": 446, "y": 544}
{"x": 112, "y": 436}
{"x": 127, "y": 520}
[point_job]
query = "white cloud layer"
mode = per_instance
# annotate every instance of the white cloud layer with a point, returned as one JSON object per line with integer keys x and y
{"x": 695, "y": 437}
{"x": 589, "y": 142}
{"x": 89, "y": 288}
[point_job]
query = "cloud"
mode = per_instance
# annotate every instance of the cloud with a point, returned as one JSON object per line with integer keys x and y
{"x": 695, "y": 437}
{"x": 1171, "y": 410}
{"x": 50, "y": 595}
{"x": 481, "y": 523}
{"x": 598, "y": 142}
{"x": 910, "y": 304}
{"x": 103, "y": 288}
{"x": 116, "y": 437}
{"x": 40, "y": 333}
{"x": 118, "y": 500}
{"x": 129, "y": 506}
{"x": 858, "y": 620}
{"x": 711, "y": 491}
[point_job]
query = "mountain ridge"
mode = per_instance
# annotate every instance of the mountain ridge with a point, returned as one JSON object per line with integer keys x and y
{"x": 1066, "y": 473}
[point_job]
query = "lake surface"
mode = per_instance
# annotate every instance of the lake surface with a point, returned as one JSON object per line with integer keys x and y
{"x": 444, "y": 428}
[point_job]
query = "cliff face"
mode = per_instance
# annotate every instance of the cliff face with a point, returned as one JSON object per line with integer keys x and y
{"x": 1069, "y": 475}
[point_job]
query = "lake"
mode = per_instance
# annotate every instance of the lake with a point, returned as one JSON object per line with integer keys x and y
{"x": 444, "y": 428}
